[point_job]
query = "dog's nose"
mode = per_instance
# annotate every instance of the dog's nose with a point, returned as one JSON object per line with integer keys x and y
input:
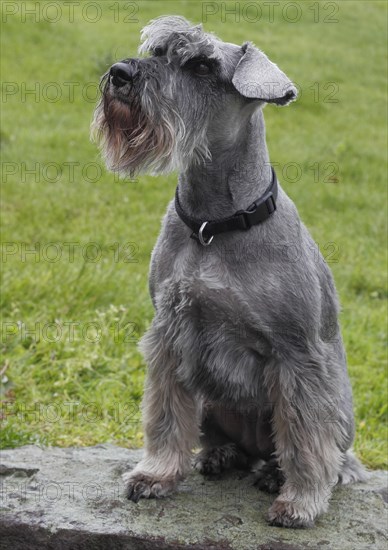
{"x": 122, "y": 73}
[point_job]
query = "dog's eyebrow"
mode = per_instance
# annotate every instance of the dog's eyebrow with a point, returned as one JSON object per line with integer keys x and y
{"x": 187, "y": 46}
{"x": 187, "y": 55}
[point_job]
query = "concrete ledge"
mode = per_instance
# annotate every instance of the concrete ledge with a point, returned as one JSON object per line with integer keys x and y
{"x": 73, "y": 499}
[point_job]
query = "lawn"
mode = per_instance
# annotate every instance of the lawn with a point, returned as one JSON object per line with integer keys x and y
{"x": 76, "y": 241}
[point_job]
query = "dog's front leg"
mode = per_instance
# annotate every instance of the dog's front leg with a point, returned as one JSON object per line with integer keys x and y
{"x": 171, "y": 425}
{"x": 309, "y": 432}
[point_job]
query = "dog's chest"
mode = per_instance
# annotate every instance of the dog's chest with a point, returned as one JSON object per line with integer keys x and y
{"x": 207, "y": 322}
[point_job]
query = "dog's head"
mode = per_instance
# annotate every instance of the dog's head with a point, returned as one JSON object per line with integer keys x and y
{"x": 163, "y": 111}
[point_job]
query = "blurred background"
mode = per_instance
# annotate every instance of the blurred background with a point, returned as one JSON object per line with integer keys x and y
{"x": 76, "y": 240}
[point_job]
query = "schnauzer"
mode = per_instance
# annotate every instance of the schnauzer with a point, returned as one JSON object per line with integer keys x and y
{"x": 244, "y": 353}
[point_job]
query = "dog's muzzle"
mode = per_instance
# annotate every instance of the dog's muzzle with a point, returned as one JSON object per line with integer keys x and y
{"x": 123, "y": 73}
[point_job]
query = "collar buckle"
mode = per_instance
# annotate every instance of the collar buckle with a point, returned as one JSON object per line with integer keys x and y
{"x": 201, "y": 237}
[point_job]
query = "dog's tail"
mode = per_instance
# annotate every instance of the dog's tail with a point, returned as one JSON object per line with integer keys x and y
{"x": 352, "y": 470}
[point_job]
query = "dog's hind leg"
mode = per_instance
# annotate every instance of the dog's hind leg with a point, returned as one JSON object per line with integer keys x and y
{"x": 220, "y": 451}
{"x": 215, "y": 460}
{"x": 269, "y": 477}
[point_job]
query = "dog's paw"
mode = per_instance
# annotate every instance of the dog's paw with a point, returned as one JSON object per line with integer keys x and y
{"x": 214, "y": 461}
{"x": 144, "y": 485}
{"x": 288, "y": 514}
{"x": 269, "y": 477}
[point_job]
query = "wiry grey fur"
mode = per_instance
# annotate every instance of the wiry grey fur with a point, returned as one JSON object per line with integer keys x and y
{"x": 244, "y": 353}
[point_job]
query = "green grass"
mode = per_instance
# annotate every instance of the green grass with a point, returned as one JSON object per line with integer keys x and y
{"x": 82, "y": 388}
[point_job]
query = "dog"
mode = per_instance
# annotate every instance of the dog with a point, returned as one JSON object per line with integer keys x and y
{"x": 244, "y": 353}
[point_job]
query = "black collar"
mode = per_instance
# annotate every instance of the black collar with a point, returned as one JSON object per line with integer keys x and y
{"x": 257, "y": 212}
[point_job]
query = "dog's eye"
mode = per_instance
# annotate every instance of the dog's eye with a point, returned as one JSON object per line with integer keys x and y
{"x": 201, "y": 69}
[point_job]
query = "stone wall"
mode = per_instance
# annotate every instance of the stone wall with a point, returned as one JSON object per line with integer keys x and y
{"x": 73, "y": 499}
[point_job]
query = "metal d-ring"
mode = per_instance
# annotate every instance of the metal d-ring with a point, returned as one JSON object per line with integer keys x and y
{"x": 200, "y": 235}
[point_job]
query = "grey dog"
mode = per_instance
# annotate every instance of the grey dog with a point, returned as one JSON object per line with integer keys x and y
{"x": 244, "y": 353}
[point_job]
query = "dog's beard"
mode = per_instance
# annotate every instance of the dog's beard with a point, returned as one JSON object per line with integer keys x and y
{"x": 133, "y": 140}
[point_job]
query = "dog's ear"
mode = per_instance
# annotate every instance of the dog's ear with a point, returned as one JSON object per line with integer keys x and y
{"x": 256, "y": 77}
